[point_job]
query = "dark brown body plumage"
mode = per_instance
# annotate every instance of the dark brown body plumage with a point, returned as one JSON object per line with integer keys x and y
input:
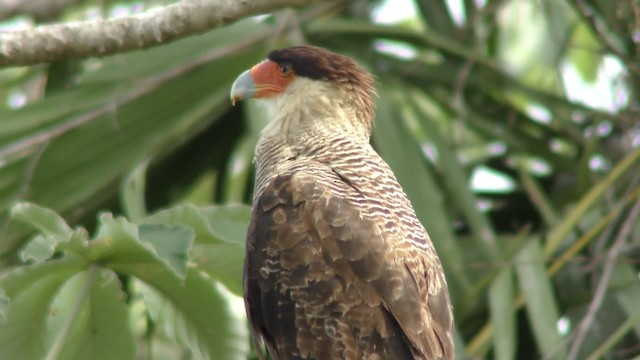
{"x": 338, "y": 266}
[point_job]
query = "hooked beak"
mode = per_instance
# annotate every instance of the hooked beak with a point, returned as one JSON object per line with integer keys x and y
{"x": 243, "y": 88}
{"x": 261, "y": 81}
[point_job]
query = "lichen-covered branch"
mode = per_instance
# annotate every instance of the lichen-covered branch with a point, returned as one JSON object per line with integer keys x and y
{"x": 49, "y": 43}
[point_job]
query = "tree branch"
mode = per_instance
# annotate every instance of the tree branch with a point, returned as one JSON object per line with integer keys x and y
{"x": 103, "y": 37}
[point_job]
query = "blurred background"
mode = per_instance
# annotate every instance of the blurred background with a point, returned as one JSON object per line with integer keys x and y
{"x": 513, "y": 126}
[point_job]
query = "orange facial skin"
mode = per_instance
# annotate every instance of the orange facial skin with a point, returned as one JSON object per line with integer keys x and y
{"x": 271, "y": 78}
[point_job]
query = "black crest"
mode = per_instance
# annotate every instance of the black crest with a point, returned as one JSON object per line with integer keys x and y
{"x": 321, "y": 64}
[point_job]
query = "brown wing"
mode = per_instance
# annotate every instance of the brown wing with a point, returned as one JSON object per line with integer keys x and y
{"x": 323, "y": 282}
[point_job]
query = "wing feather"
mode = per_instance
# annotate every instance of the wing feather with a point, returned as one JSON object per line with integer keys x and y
{"x": 323, "y": 280}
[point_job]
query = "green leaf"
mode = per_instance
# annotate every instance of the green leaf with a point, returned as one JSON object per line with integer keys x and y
{"x": 220, "y": 233}
{"x": 4, "y": 306}
{"x": 189, "y": 216}
{"x": 439, "y": 19}
{"x": 21, "y": 278}
{"x": 118, "y": 241}
{"x": 223, "y": 262}
{"x": 132, "y": 191}
{"x": 239, "y": 170}
{"x": 39, "y": 249}
{"x": 457, "y": 182}
{"x": 541, "y": 306}
{"x": 52, "y": 108}
{"x": 171, "y": 244}
{"x": 42, "y": 247}
{"x": 503, "y": 317}
{"x": 30, "y": 290}
{"x": 584, "y": 52}
{"x": 229, "y": 222}
{"x": 91, "y": 320}
{"x": 211, "y": 224}
{"x": 147, "y": 111}
{"x": 43, "y": 219}
{"x": 195, "y": 312}
{"x": 55, "y": 231}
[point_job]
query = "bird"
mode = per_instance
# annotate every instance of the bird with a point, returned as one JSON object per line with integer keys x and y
{"x": 337, "y": 264}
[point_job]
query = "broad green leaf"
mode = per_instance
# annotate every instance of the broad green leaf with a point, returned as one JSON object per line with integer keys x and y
{"x": 229, "y": 222}
{"x": 119, "y": 241}
{"x": 584, "y": 52}
{"x": 503, "y": 317}
{"x": 132, "y": 192}
{"x": 457, "y": 182}
{"x": 146, "y": 119}
{"x": 30, "y": 290}
{"x": 188, "y": 216}
{"x": 538, "y": 197}
{"x": 219, "y": 242}
{"x": 52, "y": 109}
{"x": 39, "y": 249}
{"x": 171, "y": 244}
{"x": 78, "y": 244}
{"x": 223, "y": 262}
{"x": 195, "y": 312}
{"x": 42, "y": 247}
{"x": 132, "y": 66}
{"x": 459, "y": 344}
{"x": 55, "y": 231}
{"x": 439, "y": 19}
{"x": 21, "y": 278}
{"x": 22, "y": 336}
{"x": 540, "y": 302}
{"x": 4, "y": 306}
{"x": 239, "y": 170}
{"x": 43, "y": 219}
{"x": 201, "y": 191}
{"x": 91, "y": 319}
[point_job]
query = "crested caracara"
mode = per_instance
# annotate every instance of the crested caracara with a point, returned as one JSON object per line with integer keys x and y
{"x": 337, "y": 265}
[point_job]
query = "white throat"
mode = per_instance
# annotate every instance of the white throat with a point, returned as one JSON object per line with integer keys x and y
{"x": 312, "y": 106}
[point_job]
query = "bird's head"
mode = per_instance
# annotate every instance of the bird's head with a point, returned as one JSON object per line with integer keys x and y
{"x": 312, "y": 80}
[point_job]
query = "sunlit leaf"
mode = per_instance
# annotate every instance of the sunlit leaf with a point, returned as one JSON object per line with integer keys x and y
{"x": 229, "y": 222}
{"x": 4, "y": 306}
{"x": 223, "y": 262}
{"x": 30, "y": 291}
{"x": 584, "y": 52}
{"x": 503, "y": 317}
{"x": 45, "y": 220}
{"x": 119, "y": 241}
{"x": 132, "y": 192}
{"x": 188, "y": 216}
{"x": 171, "y": 244}
{"x": 196, "y": 313}
{"x": 39, "y": 248}
{"x": 90, "y": 319}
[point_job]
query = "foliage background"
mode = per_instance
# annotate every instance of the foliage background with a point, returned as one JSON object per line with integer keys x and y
{"x": 511, "y": 124}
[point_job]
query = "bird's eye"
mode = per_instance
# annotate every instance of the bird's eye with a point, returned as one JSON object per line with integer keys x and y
{"x": 285, "y": 69}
